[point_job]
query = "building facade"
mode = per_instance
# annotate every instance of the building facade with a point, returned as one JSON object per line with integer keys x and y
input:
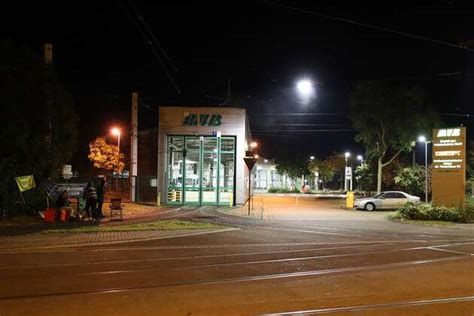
{"x": 200, "y": 155}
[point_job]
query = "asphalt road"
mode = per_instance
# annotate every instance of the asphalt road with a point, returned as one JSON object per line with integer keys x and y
{"x": 306, "y": 258}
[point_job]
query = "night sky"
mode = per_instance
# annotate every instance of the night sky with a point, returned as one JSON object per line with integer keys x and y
{"x": 101, "y": 56}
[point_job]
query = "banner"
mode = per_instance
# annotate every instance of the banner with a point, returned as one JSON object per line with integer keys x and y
{"x": 25, "y": 183}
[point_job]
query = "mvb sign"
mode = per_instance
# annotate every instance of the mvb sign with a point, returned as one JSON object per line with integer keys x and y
{"x": 449, "y": 132}
{"x": 202, "y": 119}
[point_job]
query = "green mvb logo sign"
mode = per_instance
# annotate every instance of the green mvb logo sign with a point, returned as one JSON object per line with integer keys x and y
{"x": 202, "y": 120}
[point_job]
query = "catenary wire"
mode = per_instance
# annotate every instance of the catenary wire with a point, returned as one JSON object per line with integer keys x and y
{"x": 283, "y": 6}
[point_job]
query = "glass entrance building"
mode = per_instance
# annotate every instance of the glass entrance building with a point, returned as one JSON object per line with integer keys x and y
{"x": 200, "y": 155}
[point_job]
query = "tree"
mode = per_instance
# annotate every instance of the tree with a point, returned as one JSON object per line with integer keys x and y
{"x": 470, "y": 160}
{"x": 38, "y": 133}
{"x": 325, "y": 169}
{"x": 293, "y": 167}
{"x": 105, "y": 157}
{"x": 387, "y": 118}
{"x": 411, "y": 179}
{"x": 364, "y": 176}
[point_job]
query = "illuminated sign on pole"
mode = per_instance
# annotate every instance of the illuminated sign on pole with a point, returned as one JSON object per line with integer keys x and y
{"x": 449, "y": 167}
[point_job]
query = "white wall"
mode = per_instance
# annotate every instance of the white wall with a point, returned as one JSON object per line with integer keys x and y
{"x": 233, "y": 123}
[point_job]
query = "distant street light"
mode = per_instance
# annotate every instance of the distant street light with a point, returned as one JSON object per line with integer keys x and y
{"x": 116, "y": 132}
{"x": 361, "y": 159}
{"x": 347, "y": 155}
{"x": 422, "y": 139}
{"x": 305, "y": 87}
{"x": 253, "y": 145}
{"x": 311, "y": 158}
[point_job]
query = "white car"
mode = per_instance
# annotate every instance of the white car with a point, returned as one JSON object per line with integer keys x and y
{"x": 386, "y": 200}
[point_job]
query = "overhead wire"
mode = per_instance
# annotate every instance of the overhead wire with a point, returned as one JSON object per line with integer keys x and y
{"x": 152, "y": 35}
{"x": 168, "y": 75}
{"x": 384, "y": 29}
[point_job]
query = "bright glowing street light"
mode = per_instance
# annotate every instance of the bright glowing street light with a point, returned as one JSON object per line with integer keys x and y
{"x": 116, "y": 132}
{"x": 305, "y": 87}
{"x": 253, "y": 145}
{"x": 422, "y": 139}
{"x": 311, "y": 158}
{"x": 360, "y": 158}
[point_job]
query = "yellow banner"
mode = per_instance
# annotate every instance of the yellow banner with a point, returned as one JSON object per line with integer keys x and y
{"x": 25, "y": 183}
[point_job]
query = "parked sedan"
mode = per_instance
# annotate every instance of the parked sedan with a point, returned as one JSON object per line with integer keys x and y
{"x": 386, "y": 200}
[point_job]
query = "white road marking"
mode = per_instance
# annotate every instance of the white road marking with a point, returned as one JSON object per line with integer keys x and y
{"x": 375, "y": 306}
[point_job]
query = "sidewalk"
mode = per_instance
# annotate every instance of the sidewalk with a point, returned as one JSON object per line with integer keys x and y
{"x": 58, "y": 240}
{"x": 14, "y": 237}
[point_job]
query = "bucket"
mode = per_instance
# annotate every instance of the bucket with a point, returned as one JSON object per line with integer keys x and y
{"x": 50, "y": 215}
{"x": 64, "y": 216}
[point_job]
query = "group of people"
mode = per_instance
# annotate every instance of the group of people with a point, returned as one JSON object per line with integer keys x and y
{"x": 93, "y": 196}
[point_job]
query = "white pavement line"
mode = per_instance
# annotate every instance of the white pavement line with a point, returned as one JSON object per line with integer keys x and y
{"x": 375, "y": 306}
{"x": 450, "y": 251}
{"x": 242, "y": 279}
{"x": 456, "y": 244}
{"x": 313, "y": 232}
{"x": 26, "y": 249}
{"x": 182, "y": 258}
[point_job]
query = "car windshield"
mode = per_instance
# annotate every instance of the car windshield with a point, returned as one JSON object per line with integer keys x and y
{"x": 377, "y": 195}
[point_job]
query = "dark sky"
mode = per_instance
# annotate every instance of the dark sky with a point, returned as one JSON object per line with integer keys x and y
{"x": 102, "y": 57}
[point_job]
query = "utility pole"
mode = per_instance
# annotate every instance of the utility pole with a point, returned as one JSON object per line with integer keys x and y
{"x": 134, "y": 148}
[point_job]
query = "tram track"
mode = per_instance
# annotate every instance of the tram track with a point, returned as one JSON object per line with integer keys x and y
{"x": 255, "y": 278}
{"x": 230, "y": 264}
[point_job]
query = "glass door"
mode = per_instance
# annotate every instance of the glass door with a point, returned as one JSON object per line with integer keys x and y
{"x": 201, "y": 170}
{"x": 175, "y": 170}
{"x": 226, "y": 171}
{"x": 192, "y": 182}
{"x": 209, "y": 171}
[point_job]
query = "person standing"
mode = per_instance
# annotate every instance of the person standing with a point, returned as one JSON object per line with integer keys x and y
{"x": 90, "y": 195}
{"x": 100, "y": 197}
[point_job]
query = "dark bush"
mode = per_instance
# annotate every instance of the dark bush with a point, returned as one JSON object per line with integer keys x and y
{"x": 283, "y": 190}
{"x": 428, "y": 212}
{"x": 413, "y": 211}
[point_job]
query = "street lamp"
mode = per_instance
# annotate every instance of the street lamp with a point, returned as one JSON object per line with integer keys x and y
{"x": 311, "y": 158}
{"x": 422, "y": 139}
{"x": 361, "y": 159}
{"x": 347, "y": 155}
{"x": 305, "y": 87}
{"x": 116, "y": 132}
{"x": 253, "y": 145}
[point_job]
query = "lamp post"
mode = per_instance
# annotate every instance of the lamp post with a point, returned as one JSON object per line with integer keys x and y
{"x": 346, "y": 156}
{"x": 116, "y": 132}
{"x": 423, "y": 139}
{"x": 361, "y": 159}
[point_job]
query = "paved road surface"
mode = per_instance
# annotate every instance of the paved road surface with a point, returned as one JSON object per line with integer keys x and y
{"x": 315, "y": 260}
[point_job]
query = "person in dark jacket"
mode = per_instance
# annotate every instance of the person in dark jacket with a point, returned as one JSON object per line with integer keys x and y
{"x": 90, "y": 195}
{"x": 62, "y": 203}
{"x": 100, "y": 197}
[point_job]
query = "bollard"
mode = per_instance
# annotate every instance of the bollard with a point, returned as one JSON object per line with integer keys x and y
{"x": 350, "y": 199}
